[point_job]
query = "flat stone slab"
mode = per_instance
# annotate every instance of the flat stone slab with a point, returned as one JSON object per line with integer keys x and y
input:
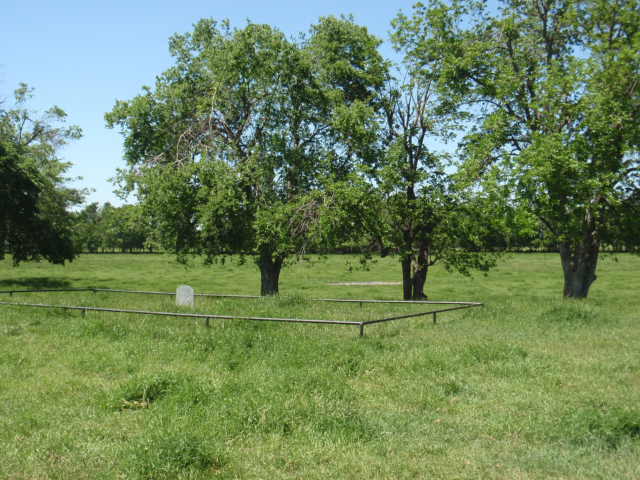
{"x": 364, "y": 283}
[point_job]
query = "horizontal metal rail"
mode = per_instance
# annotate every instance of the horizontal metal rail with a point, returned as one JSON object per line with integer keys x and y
{"x": 335, "y": 300}
{"x": 256, "y": 297}
{"x": 144, "y": 292}
{"x": 411, "y": 315}
{"x": 416, "y": 302}
{"x": 179, "y": 314}
{"x": 82, "y": 289}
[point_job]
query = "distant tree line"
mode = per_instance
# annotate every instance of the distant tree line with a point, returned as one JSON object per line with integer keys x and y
{"x": 106, "y": 228}
{"x": 126, "y": 229}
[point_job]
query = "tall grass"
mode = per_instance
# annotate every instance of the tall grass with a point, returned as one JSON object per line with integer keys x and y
{"x": 529, "y": 386}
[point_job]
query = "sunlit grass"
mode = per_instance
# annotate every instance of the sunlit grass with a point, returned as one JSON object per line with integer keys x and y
{"x": 528, "y": 386}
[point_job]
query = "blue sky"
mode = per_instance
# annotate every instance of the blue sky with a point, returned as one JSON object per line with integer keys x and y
{"x": 83, "y": 55}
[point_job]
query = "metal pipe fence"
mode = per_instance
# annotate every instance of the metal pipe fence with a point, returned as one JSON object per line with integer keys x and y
{"x": 208, "y": 316}
{"x": 227, "y": 295}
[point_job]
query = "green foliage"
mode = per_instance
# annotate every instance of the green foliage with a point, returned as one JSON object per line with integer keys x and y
{"x": 87, "y": 229}
{"x": 553, "y": 88}
{"x": 106, "y": 227}
{"x": 229, "y": 151}
{"x": 348, "y": 61}
{"x": 419, "y": 211}
{"x": 34, "y": 218}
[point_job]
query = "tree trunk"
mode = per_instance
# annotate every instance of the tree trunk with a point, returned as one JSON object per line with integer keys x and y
{"x": 269, "y": 273}
{"x": 579, "y": 262}
{"x": 414, "y": 275}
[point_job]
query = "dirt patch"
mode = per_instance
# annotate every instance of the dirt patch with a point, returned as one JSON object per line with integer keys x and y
{"x": 363, "y": 283}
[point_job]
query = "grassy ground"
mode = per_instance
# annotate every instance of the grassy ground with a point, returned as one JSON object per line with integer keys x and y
{"x": 528, "y": 386}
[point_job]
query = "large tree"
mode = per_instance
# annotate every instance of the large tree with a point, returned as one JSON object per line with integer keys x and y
{"x": 427, "y": 219}
{"x": 34, "y": 218}
{"x": 554, "y": 85}
{"x": 416, "y": 209}
{"x": 232, "y": 150}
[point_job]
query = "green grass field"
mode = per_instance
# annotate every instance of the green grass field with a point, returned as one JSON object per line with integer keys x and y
{"x": 528, "y": 386}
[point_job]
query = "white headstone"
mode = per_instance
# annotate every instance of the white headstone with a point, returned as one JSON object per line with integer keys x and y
{"x": 184, "y": 296}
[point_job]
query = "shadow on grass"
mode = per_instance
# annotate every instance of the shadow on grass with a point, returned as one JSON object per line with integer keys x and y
{"x": 34, "y": 283}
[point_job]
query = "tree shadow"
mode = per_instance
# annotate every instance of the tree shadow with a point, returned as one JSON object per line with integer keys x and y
{"x": 34, "y": 283}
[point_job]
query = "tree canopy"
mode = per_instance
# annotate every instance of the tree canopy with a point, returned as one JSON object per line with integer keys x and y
{"x": 257, "y": 144}
{"x": 553, "y": 86}
{"x": 425, "y": 217}
{"x": 34, "y": 220}
{"x": 234, "y": 149}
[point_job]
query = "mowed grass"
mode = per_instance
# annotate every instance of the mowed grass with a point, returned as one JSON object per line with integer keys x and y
{"x": 528, "y": 386}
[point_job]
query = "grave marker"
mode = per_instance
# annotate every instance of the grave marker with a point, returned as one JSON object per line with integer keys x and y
{"x": 185, "y": 296}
